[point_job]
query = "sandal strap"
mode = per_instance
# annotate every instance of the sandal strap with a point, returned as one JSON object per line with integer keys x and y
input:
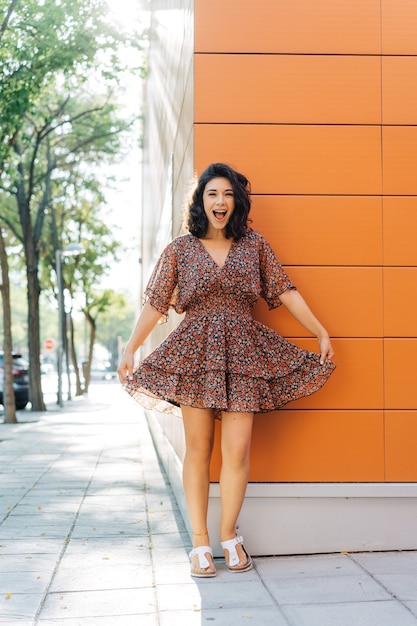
{"x": 201, "y": 553}
{"x": 230, "y": 545}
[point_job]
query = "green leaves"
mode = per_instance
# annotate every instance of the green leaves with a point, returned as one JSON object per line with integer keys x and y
{"x": 61, "y": 75}
{"x": 45, "y": 43}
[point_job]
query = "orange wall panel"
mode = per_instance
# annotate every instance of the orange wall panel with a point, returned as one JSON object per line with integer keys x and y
{"x": 317, "y": 104}
{"x": 332, "y": 293}
{"x": 296, "y": 159}
{"x": 314, "y": 446}
{"x": 400, "y": 358}
{"x": 400, "y": 230}
{"x": 398, "y": 24}
{"x": 399, "y": 160}
{"x": 401, "y": 437}
{"x": 357, "y": 382}
{"x": 322, "y": 230}
{"x": 318, "y": 446}
{"x": 287, "y": 88}
{"x": 400, "y": 302}
{"x": 399, "y": 89}
{"x": 301, "y": 26}
{"x": 216, "y": 457}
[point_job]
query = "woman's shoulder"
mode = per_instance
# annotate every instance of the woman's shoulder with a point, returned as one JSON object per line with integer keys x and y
{"x": 253, "y": 236}
{"x": 184, "y": 241}
{"x": 181, "y": 241}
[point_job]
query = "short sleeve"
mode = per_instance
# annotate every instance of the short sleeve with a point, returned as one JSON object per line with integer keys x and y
{"x": 162, "y": 288}
{"x": 274, "y": 280}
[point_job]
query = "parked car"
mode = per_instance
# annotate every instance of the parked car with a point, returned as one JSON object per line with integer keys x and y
{"x": 20, "y": 380}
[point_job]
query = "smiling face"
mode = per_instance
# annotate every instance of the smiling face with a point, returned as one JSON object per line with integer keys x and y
{"x": 219, "y": 204}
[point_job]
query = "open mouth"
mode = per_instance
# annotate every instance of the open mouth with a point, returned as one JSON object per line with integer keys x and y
{"x": 219, "y": 215}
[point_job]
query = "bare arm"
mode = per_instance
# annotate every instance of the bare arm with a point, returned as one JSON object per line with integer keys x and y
{"x": 298, "y": 307}
{"x": 147, "y": 320}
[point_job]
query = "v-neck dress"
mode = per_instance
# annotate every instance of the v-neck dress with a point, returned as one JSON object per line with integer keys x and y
{"x": 218, "y": 356}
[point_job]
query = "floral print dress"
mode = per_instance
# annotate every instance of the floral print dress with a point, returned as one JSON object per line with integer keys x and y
{"x": 219, "y": 357}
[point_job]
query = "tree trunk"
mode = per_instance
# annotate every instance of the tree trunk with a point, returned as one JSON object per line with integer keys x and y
{"x": 30, "y": 243}
{"x": 78, "y": 387}
{"x": 92, "y": 325}
{"x": 9, "y": 13}
{"x": 8, "y": 391}
{"x": 67, "y": 355}
{"x": 36, "y": 395}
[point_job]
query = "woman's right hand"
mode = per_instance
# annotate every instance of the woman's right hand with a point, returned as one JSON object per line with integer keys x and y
{"x": 148, "y": 318}
{"x": 125, "y": 369}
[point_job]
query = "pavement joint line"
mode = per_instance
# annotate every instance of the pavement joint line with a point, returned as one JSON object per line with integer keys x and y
{"x": 271, "y": 595}
{"x": 150, "y": 542}
{"x": 9, "y": 511}
{"x": 381, "y": 584}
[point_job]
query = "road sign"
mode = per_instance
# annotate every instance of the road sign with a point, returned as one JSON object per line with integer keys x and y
{"x": 49, "y": 344}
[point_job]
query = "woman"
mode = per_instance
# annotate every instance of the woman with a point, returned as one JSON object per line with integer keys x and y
{"x": 219, "y": 362}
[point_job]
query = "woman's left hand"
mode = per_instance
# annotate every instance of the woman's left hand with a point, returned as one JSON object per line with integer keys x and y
{"x": 298, "y": 307}
{"x": 326, "y": 350}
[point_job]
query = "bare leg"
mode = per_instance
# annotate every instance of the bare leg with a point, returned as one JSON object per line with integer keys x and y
{"x": 236, "y": 439}
{"x": 199, "y": 437}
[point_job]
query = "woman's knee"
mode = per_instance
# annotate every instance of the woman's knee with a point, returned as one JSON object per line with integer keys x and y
{"x": 236, "y": 452}
{"x": 237, "y": 457}
{"x": 199, "y": 432}
{"x": 199, "y": 450}
{"x": 236, "y": 438}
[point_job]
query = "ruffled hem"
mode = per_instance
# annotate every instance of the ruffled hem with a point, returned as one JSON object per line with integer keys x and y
{"x": 151, "y": 402}
{"x": 156, "y": 389}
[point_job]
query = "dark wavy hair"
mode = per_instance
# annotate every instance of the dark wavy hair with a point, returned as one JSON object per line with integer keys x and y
{"x": 195, "y": 219}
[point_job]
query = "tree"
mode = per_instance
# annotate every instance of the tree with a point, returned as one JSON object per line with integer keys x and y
{"x": 116, "y": 324}
{"x": 100, "y": 253}
{"x": 96, "y": 304}
{"x": 54, "y": 145}
{"x": 46, "y": 48}
{"x": 18, "y": 298}
{"x": 38, "y": 42}
{"x": 82, "y": 276}
{"x": 8, "y": 391}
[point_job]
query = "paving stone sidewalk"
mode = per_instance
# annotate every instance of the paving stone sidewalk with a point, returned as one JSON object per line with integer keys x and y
{"x": 90, "y": 535}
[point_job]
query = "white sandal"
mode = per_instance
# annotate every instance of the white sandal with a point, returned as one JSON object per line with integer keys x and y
{"x": 230, "y": 546}
{"x": 203, "y": 561}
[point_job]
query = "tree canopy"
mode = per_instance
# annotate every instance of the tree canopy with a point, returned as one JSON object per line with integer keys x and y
{"x": 60, "y": 75}
{"x": 39, "y": 41}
